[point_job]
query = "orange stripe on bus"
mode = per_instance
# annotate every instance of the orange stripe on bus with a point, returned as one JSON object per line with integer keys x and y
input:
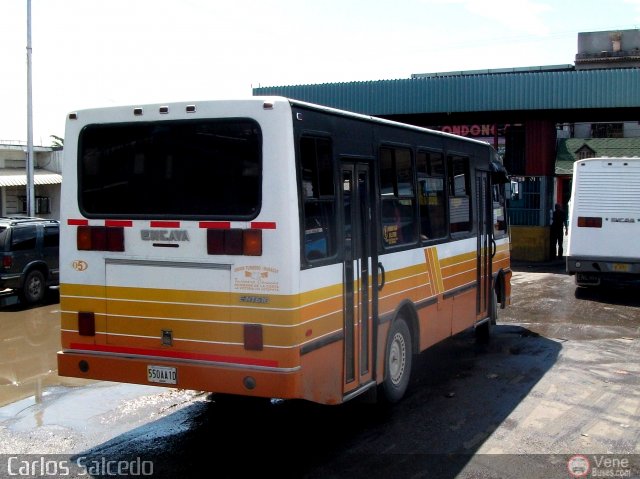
{"x": 174, "y": 354}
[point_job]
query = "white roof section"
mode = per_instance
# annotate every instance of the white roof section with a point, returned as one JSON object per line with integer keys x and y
{"x": 18, "y": 177}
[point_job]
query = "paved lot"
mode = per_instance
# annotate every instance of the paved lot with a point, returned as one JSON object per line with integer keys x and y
{"x": 560, "y": 378}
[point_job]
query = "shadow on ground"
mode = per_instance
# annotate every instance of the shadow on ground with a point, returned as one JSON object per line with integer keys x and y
{"x": 460, "y": 393}
{"x": 622, "y": 295}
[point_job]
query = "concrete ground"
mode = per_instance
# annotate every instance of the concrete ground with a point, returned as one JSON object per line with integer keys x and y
{"x": 555, "y": 391}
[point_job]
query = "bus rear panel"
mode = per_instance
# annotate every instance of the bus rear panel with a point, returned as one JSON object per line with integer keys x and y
{"x": 604, "y": 221}
{"x": 174, "y": 235}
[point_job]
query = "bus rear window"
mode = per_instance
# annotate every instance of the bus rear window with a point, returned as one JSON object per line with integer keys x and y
{"x": 198, "y": 169}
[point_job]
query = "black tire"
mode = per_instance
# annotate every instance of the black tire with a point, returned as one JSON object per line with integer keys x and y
{"x": 34, "y": 287}
{"x": 494, "y": 307}
{"x": 483, "y": 331}
{"x": 397, "y": 362}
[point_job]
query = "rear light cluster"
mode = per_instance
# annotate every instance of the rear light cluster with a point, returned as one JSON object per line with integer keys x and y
{"x": 253, "y": 337}
{"x": 229, "y": 241}
{"x": 234, "y": 241}
{"x": 86, "y": 323}
{"x": 589, "y": 222}
{"x": 100, "y": 238}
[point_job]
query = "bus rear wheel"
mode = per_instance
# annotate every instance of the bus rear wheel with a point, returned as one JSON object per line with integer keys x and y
{"x": 398, "y": 359}
{"x": 483, "y": 330}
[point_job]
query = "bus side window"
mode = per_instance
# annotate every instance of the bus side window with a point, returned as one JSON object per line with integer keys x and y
{"x": 318, "y": 195}
{"x": 398, "y": 196}
{"x": 499, "y": 214}
{"x": 430, "y": 168}
{"x": 316, "y": 231}
{"x": 459, "y": 178}
{"x": 391, "y": 223}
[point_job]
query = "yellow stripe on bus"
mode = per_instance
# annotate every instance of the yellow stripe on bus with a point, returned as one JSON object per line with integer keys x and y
{"x": 288, "y": 319}
{"x": 435, "y": 271}
{"x": 204, "y": 298}
{"x": 226, "y": 333}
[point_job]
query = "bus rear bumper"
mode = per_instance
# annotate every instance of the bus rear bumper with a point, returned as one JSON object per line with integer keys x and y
{"x": 281, "y": 383}
{"x": 591, "y": 271}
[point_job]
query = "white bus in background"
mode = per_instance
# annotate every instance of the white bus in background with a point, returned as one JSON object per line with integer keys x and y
{"x": 604, "y": 221}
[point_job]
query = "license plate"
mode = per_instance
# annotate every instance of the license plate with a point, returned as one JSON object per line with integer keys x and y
{"x": 588, "y": 278}
{"x": 621, "y": 267}
{"x": 162, "y": 375}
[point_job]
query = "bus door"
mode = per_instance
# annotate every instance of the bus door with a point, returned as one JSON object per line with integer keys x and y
{"x": 485, "y": 243}
{"x": 360, "y": 253}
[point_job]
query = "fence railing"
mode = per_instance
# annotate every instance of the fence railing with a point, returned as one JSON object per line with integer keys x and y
{"x": 524, "y": 217}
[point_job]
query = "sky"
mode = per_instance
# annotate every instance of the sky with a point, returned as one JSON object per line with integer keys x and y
{"x": 95, "y": 53}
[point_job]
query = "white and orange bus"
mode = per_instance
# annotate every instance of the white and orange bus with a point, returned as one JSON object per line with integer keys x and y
{"x": 269, "y": 247}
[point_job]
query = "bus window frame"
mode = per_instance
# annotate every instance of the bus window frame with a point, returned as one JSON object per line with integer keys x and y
{"x": 305, "y": 262}
{"x": 499, "y": 234}
{"x": 447, "y": 235}
{"x": 80, "y": 180}
{"x": 472, "y": 163}
{"x": 380, "y": 200}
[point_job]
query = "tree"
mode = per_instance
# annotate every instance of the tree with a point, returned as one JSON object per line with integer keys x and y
{"x": 56, "y": 141}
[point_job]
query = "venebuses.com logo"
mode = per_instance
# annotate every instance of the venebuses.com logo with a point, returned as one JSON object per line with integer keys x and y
{"x": 580, "y": 465}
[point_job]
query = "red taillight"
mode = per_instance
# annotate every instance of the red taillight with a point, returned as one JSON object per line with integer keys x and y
{"x": 86, "y": 323}
{"x": 215, "y": 241}
{"x": 589, "y": 222}
{"x": 234, "y": 241}
{"x": 253, "y": 337}
{"x": 115, "y": 239}
{"x": 100, "y": 238}
{"x": 7, "y": 262}
{"x": 83, "y": 238}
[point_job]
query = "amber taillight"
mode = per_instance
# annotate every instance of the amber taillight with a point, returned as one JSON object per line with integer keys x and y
{"x": 234, "y": 241}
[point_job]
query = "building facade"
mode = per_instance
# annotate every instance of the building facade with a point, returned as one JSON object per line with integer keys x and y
{"x": 526, "y": 113}
{"x": 13, "y": 180}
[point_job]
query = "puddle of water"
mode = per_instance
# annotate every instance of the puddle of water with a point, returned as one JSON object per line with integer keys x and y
{"x": 77, "y": 408}
{"x": 29, "y": 341}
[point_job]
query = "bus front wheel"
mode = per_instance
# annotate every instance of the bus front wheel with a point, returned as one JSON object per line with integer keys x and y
{"x": 398, "y": 360}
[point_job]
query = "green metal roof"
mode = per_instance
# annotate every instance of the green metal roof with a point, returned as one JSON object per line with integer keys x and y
{"x": 544, "y": 90}
{"x": 614, "y": 147}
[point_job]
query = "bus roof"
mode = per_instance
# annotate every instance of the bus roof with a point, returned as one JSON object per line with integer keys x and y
{"x": 376, "y": 119}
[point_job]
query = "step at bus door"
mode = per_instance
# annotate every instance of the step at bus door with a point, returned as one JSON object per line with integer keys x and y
{"x": 360, "y": 299}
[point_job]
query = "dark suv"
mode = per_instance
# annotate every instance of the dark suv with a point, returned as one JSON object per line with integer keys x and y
{"x": 29, "y": 249}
